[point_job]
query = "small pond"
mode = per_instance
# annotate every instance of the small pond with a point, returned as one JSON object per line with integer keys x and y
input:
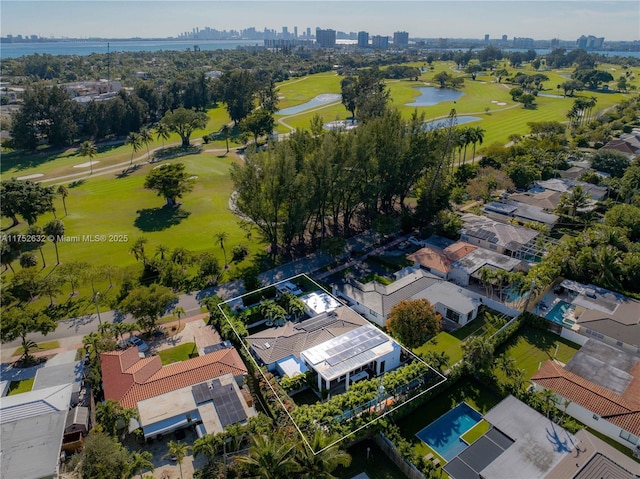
{"x": 460, "y": 120}
{"x": 430, "y": 96}
{"x": 322, "y": 99}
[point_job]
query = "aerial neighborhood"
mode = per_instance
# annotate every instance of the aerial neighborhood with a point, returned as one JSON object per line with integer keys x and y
{"x": 320, "y": 256}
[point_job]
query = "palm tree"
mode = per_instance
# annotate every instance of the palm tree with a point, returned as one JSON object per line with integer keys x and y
{"x": 162, "y": 132}
{"x": 145, "y": 138}
{"x": 221, "y": 238}
{"x": 577, "y": 199}
{"x": 138, "y": 250}
{"x": 208, "y": 445}
{"x": 321, "y": 459}
{"x": 226, "y": 131}
{"x": 477, "y": 137}
{"x": 270, "y": 457}
{"x": 141, "y": 461}
{"x": 161, "y": 250}
{"x": 54, "y": 229}
{"x": 88, "y": 148}
{"x": 134, "y": 140}
{"x": 178, "y": 450}
{"x": 179, "y": 312}
{"x": 63, "y": 192}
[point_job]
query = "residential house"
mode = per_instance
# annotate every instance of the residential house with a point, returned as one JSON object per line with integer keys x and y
{"x": 520, "y": 443}
{"x": 452, "y": 302}
{"x": 599, "y": 313}
{"x": 374, "y": 300}
{"x": 279, "y": 348}
{"x": 469, "y": 266}
{"x": 507, "y": 210}
{"x": 31, "y": 427}
{"x": 494, "y": 235}
{"x": 601, "y": 385}
{"x": 358, "y": 354}
{"x": 166, "y": 397}
{"x": 565, "y": 185}
{"x": 438, "y": 261}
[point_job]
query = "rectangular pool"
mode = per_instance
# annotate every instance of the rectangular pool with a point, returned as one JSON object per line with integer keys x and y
{"x": 443, "y": 435}
{"x": 556, "y": 313}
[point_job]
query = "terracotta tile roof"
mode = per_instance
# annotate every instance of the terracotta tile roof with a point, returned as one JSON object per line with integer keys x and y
{"x": 459, "y": 250}
{"x": 147, "y": 378}
{"x": 621, "y": 410}
{"x": 441, "y": 260}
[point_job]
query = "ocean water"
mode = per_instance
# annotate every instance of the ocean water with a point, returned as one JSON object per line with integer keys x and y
{"x": 83, "y": 48}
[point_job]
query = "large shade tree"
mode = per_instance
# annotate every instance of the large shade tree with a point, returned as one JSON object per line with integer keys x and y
{"x": 19, "y": 322}
{"x": 26, "y": 199}
{"x": 147, "y": 303}
{"x": 184, "y": 122}
{"x": 413, "y": 322}
{"x": 169, "y": 180}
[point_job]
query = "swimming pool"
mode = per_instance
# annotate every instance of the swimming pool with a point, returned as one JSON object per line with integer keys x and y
{"x": 444, "y": 434}
{"x": 513, "y": 295}
{"x": 556, "y": 313}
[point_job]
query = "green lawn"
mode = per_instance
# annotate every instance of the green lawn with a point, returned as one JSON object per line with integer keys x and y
{"x": 178, "y": 353}
{"x": 17, "y": 387}
{"x": 532, "y": 346}
{"x": 44, "y": 346}
{"x": 476, "y": 432}
{"x": 377, "y": 466}
{"x": 443, "y": 342}
{"x": 478, "y": 327}
{"x": 106, "y": 205}
{"x": 476, "y": 395}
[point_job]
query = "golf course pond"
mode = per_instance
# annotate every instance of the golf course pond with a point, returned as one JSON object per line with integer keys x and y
{"x": 430, "y": 96}
{"x": 320, "y": 100}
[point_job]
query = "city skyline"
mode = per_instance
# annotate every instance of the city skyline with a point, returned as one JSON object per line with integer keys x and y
{"x": 616, "y": 21}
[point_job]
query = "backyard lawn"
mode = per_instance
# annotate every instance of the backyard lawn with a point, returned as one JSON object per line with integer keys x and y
{"x": 443, "y": 342}
{"x": 178, "y": 353}
{"x": 18, "y": 387}
{"x": 532, "y": 346}
{"x": 377, "y": 466}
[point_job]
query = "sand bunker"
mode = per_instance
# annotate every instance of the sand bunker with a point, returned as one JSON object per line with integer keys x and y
{"x": 494, "y": 101}
{"x": 30, "y": 177}
{"x": 87, "y": 164}
{"x": 501, "y": 103}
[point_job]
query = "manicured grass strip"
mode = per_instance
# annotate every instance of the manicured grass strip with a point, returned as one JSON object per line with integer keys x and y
{"x": 616, "y": 445}
{"x": 443, "y": 342}
{"x": 476, "y": 432}
{"x": 534, "y": 346}
{"x": 17, "y": 387}
{"x": 179, "y": 353}
{"x": 44, "y": 346}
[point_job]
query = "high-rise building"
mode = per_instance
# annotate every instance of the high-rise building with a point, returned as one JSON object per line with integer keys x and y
{"x": 308, "y": 33}
{"x": 590, "y": 42}
{"x": 295, "y": 32}
{"x": 380, "y": 42}
{"x": 401, "y": 39}
{"x": 486, "y": 38}
{"x": 363, "y": 39}
{"x": 505, "y": 38}
{"x": 326, "y": 38}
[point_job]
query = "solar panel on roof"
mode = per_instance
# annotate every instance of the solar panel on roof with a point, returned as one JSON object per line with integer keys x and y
{"x": 227, "y": 403}
{"x": 201, "y": 393}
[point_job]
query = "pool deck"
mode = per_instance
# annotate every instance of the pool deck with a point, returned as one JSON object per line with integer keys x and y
{"x": 550, "y": 300}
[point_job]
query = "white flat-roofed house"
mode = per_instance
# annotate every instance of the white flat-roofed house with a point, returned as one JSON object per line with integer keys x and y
{"x": 319, "y": 302}
{"x": 365, "y": 349}
{"x": 452, "y": 302}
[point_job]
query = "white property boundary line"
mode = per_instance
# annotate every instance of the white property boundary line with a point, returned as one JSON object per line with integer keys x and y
{"x": 259, "y": 368}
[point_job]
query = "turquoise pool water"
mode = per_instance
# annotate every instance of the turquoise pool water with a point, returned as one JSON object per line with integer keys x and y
{"x": 511, "y": 295}
{"x": 556, "y": 313}
{"x": 443, "y": 435}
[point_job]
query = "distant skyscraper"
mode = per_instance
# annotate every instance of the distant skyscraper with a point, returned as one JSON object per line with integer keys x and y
{"x": 590, "y": 42}
{"x": 326, "y": 38}
{"x": 295, "y": 32}
{"x": 308, "y": 33}
{"x": 505, "y": 38}
{"x": 401, "y": 39}
{"x": 486, "y": 38}
{"x": 380, "y": 42}
{"x": 363, "y": 39}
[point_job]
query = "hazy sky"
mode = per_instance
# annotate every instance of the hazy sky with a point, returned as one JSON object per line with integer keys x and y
{"x": 567, "y": 20}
